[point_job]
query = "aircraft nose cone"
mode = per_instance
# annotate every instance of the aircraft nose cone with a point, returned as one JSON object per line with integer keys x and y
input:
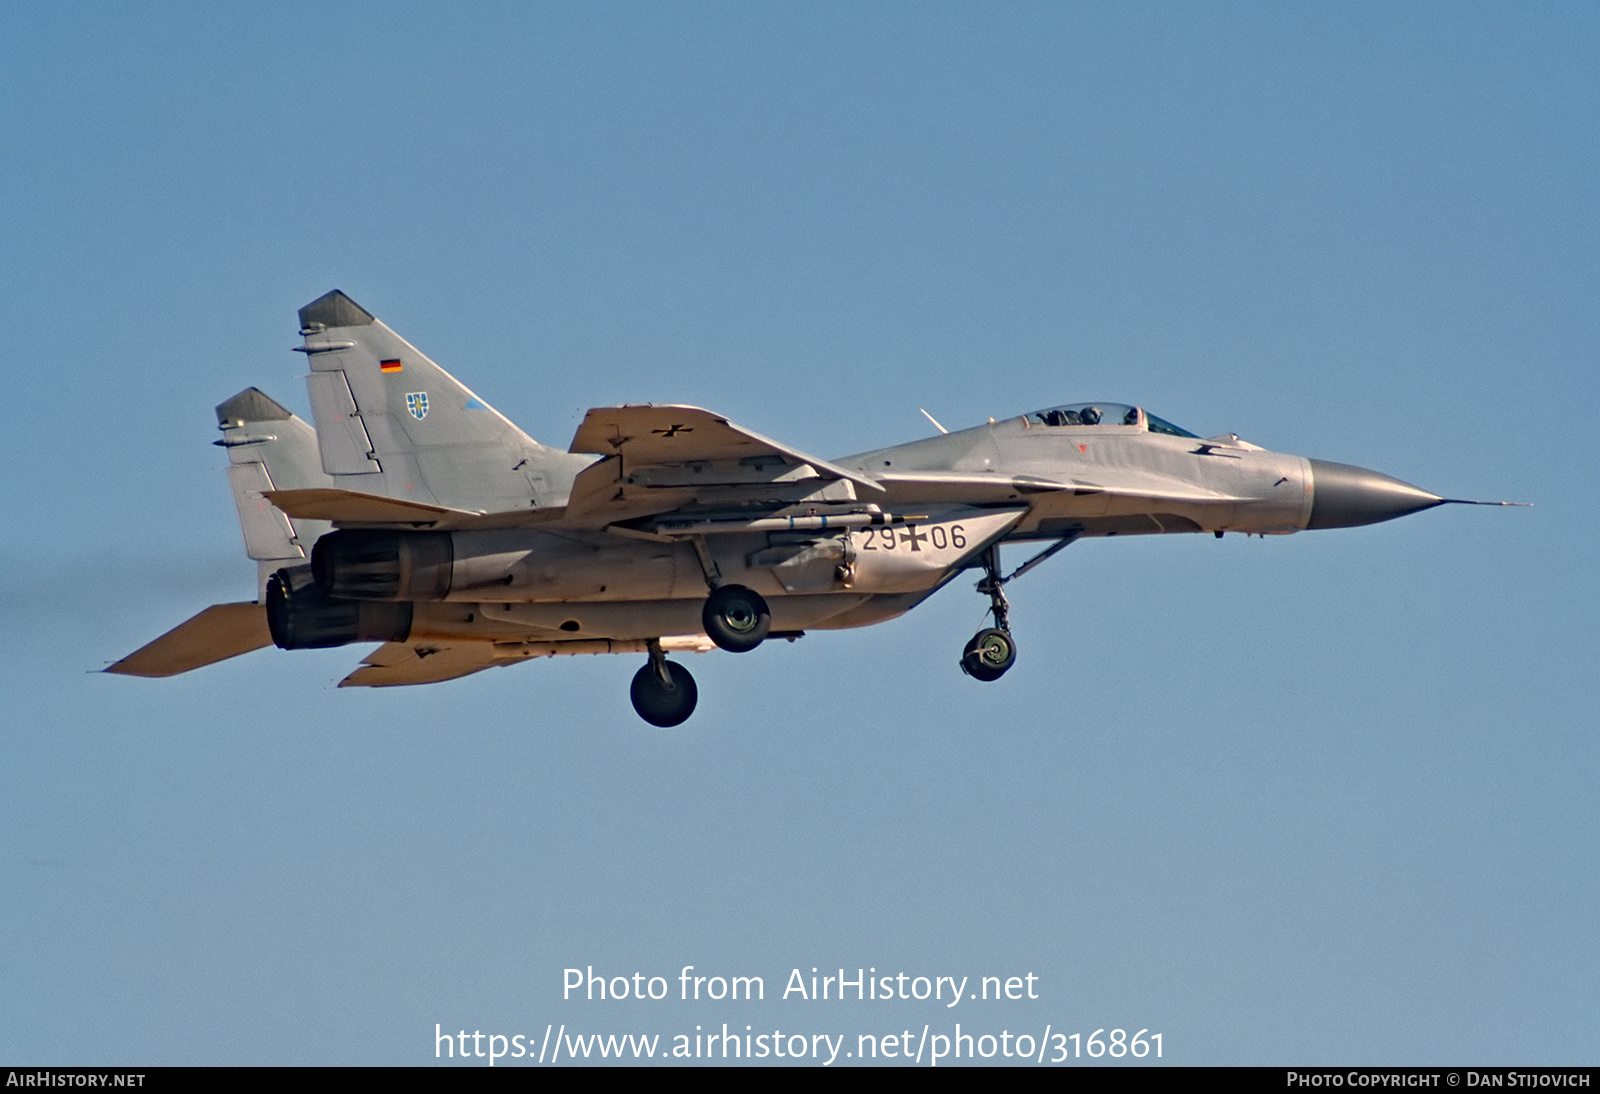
{"x": 1345, "y": 497}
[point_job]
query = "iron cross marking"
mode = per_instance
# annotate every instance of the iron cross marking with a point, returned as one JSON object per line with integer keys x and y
{"x": 674, "y": 430}
{"x": 913, "y": 537}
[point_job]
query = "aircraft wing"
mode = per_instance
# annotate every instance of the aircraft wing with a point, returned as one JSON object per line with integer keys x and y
{"x": 660, "y": 457}
{"x": 216, "y": 634}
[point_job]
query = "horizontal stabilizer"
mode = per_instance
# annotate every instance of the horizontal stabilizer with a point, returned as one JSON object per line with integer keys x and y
{"x": 216, "y": 634}
{"x": 354, "y": 507}
{"x": 397, "y": 663}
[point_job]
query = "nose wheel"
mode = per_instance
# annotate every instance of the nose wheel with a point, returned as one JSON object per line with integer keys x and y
{"x": 992, "y": 651}
{"x": 663, "y": 692}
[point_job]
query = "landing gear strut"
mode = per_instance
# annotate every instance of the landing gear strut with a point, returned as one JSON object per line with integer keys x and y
{"x": 737, "y": 619}
{"x": 992, "y": 650}
{"x": 663, "y": 692}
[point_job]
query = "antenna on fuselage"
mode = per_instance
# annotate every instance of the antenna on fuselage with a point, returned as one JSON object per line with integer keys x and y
{"x": 934, "y": 420}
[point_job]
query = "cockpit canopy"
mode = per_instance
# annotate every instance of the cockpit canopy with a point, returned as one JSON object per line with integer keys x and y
{"x": 1102, "y": 414}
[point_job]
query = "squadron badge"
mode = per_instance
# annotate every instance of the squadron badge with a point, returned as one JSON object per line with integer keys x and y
{"x": 417, "y": 403}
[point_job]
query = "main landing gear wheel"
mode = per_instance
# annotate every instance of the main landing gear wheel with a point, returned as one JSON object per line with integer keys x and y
{"x": 736, "y": 618}
{"x": 990, "y": 653}
{"x": 664, "y": 702}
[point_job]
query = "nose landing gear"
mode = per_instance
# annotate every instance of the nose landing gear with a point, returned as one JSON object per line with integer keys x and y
{"x": 990, "y": 653}
{"x": 992, "y": 650}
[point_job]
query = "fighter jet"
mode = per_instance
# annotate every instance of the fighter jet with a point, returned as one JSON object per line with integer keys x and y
{"x": 416, "y": 516}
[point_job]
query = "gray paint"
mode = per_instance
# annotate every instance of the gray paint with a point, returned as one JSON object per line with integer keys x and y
{"x": 269, "y": 448}
{"x": 393, "y": 423}
{"x": 506, "y": 549}
{"x": 341, "y": 431}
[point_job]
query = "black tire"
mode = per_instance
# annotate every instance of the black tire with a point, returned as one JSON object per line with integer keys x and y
{"x": 660, "y": 705}
{"x": 989, "y": 655}
{"x": 736, "y": 618}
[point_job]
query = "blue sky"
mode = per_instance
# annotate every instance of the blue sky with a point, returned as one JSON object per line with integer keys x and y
{"x": 1320, "y": 798}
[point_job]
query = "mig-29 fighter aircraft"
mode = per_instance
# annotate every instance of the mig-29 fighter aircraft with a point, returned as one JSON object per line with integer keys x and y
{"x": 416, "y": 516}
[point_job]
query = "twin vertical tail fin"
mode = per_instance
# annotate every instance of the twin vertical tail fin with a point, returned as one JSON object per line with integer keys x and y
{"x": 393, "y": 423}
{"x": 389, "y": 422}
{"x": 268, "y": 449}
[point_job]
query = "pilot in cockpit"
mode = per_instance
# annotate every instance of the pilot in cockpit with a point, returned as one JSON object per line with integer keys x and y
{"x": 1061, "y": 417}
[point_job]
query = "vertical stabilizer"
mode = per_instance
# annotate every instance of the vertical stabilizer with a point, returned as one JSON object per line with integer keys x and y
{"x": 270, "y": 449}
{"x": 391, "y": 422}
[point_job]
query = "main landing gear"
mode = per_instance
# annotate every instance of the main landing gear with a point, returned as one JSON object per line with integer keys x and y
{"x": 992, "y": 650}
{"x": 736, "y": 618}
{"x": 663, "y": 692}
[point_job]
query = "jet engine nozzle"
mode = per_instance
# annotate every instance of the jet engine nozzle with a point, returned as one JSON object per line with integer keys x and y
{"x": 301, "y": 616}
{"x": 377, "y": 565}
{"x": 1344, "y": 496}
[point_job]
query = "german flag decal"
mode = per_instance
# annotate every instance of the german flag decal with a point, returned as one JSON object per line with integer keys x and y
{"x": 390, "y": 366}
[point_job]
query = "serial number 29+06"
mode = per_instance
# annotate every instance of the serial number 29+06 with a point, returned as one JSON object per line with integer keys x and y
{"x": 909, "y": 537}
